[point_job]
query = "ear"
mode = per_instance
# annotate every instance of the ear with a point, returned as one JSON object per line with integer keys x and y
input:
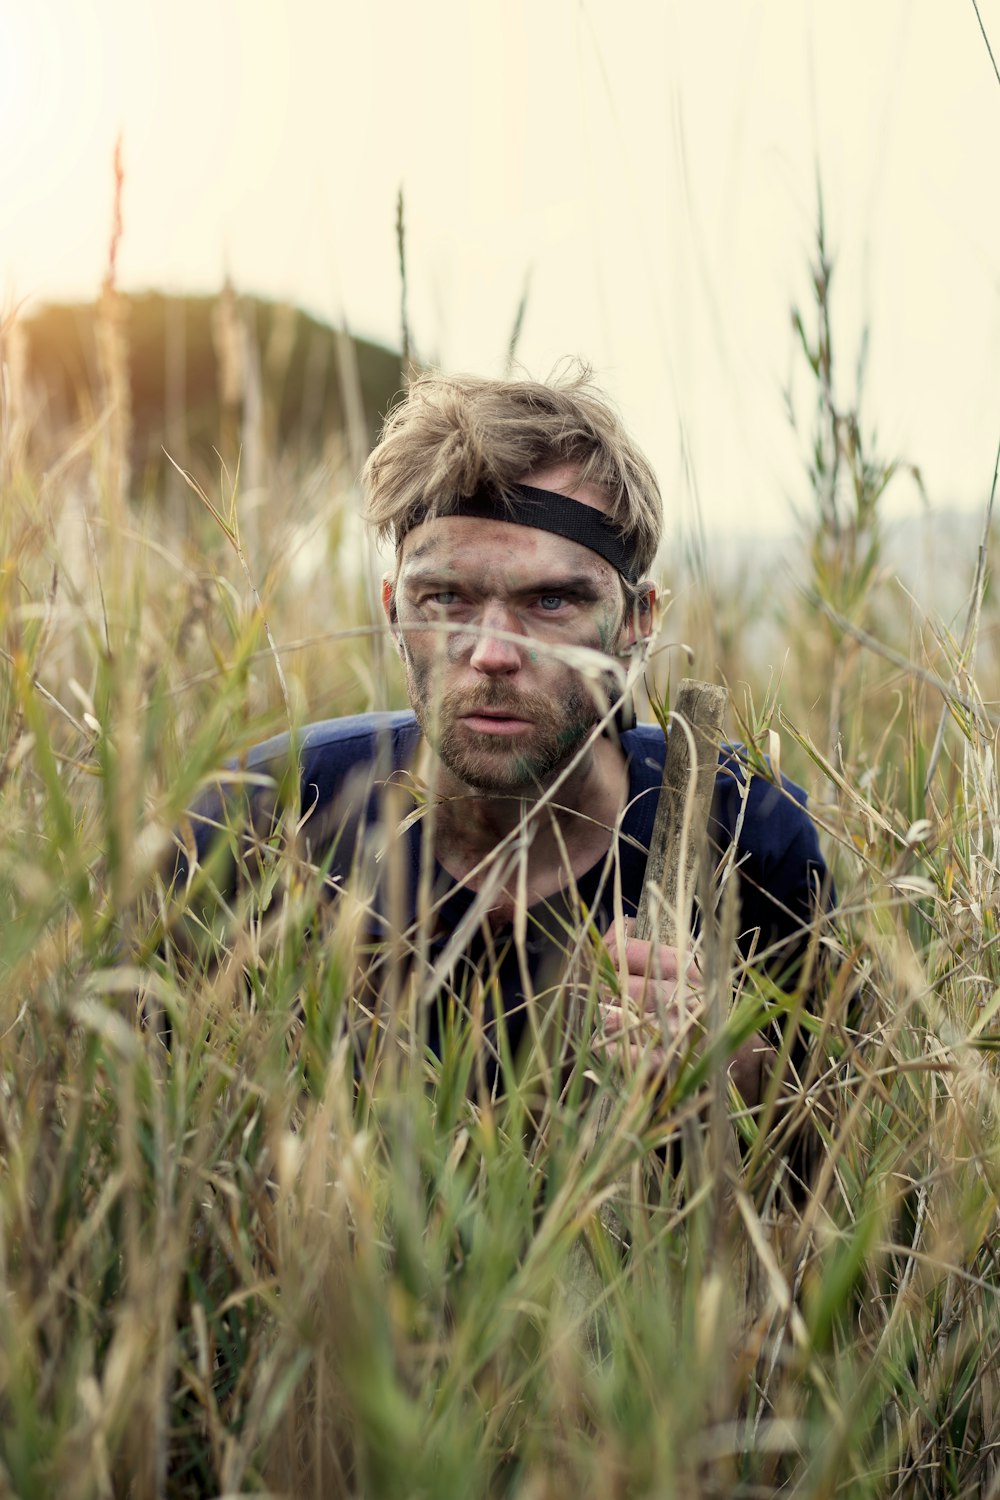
{"x": 389, "y": 601}
{"x": 638, "y": 622}
{"x": 389, "y": 606}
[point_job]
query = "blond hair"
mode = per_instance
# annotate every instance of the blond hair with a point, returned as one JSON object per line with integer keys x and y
{"x": 456, "y": 435}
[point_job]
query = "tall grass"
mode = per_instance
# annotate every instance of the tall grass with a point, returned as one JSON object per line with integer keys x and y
{"x": 233, "y": 1260}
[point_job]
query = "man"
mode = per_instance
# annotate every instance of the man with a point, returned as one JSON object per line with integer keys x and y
{"x": 502, "y": 822}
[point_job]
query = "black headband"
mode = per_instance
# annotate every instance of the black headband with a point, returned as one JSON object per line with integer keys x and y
{"x": 548, "y": 511}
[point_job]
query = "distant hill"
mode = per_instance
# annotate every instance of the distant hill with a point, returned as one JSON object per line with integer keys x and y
{"x": 194, "y": 364}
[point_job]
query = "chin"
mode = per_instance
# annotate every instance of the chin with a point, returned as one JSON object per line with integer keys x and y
{"x": 521, "y": 767}
{"x": 513, "y": 774}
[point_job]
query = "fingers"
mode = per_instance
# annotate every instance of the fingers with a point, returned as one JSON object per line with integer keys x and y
{"x": 641, "y": 960}
{"x": 632, "y": 1041}
{"x": 625, "y": 1037}
{"x": 654, "y": 986}
{"x": 666, "y": 1023}
{"x": 658, "y": 999}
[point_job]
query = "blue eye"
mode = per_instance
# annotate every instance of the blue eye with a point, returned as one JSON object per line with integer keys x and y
{"x": 551, "y": 602}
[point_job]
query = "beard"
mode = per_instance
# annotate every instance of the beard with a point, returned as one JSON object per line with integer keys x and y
{"x": 513, "y": 763}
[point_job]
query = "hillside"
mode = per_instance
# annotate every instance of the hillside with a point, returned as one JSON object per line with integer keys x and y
{"x": 197, "y": 366}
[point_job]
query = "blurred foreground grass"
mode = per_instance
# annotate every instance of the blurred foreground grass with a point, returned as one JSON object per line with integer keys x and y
{"x": 229, "y": 1265}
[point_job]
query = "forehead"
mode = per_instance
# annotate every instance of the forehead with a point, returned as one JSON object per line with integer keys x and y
{"x": 468, "y": 548}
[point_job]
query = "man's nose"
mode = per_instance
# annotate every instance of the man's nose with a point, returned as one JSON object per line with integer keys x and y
{"x": 492, "y": 654}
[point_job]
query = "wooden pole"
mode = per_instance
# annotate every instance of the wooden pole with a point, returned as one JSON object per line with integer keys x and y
{"x": 689, "y": 772}
{"x": 680, "y": 827}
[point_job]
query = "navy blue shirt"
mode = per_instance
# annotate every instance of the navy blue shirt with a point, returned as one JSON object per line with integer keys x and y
{"x": 347, "y": 766}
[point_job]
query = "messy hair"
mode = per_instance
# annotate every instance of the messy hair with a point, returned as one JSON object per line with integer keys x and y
{"x": 455, "y": 435}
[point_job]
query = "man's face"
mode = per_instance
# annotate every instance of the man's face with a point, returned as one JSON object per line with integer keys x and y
{"x": 485, "y": 613}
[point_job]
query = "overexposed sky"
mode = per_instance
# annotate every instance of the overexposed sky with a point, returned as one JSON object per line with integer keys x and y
{"x": 646, "y": 168}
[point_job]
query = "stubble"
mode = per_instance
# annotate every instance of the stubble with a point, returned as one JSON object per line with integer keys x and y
{"x": 519, "y": 763}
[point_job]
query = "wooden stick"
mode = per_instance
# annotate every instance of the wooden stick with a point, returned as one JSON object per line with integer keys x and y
{"x": 689, "y": 772}
{"x": 679, "y": 829}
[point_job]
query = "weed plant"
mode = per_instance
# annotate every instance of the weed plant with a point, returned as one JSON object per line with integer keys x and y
{"x": 236, "y": 1259}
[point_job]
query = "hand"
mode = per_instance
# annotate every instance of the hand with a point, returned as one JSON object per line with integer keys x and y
{"x": 659, "y": 999}
{"x": 664, "y": 1002}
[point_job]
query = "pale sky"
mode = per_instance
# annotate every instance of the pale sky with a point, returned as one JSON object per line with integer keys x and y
{"x": 648, "y": 166}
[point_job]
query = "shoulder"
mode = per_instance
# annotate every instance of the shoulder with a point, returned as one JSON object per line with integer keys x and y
{"x": 765, "y": 816}
{"x": 335, "y": 765}
{"x": 336, "y": 746}
{"x": 324, "y": 758}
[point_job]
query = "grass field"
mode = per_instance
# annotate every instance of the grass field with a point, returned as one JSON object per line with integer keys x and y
{"x": 230, "y": 1265}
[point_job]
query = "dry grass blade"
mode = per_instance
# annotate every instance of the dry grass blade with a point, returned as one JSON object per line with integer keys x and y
{"x": 229, "y": 526}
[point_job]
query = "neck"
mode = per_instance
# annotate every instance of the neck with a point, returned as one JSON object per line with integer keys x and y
{"x": 574, "y": 826}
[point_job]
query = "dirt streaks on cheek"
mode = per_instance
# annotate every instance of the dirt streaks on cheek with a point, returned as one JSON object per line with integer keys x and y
{"x": 458, "y": 645}
{"x": 607, "y": 632}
